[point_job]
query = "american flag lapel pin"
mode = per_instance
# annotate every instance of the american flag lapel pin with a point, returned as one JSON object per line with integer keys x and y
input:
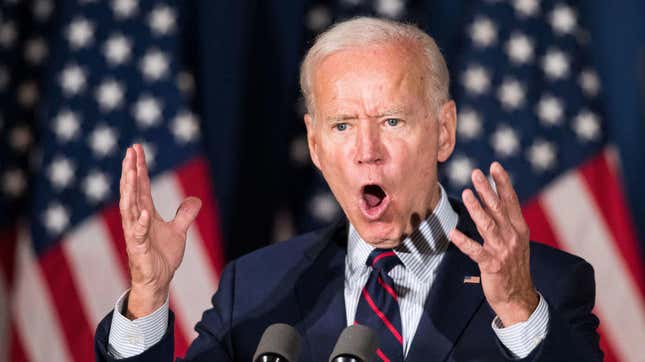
{"x": 472, "y": 279}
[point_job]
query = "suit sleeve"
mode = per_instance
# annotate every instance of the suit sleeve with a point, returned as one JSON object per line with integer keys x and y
{"x": 211, "y": 344}
{"x": 572, "y": 334}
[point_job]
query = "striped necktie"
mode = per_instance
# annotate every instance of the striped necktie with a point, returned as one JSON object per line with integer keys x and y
{"x": 378, "y": 307}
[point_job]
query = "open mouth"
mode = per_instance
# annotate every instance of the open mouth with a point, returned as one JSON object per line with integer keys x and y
{"x": 374, "y": 201}
{"x": 373, "y": 195}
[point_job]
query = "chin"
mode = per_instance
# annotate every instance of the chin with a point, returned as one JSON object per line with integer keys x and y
{"x": 380, "y": 234}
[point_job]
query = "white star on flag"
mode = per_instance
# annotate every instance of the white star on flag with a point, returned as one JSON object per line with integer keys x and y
{"x": 505, "y": 142}
{"x": 563, "y": 19}
{"x": 483, "y": 32}
{"x": 541, "y": 155}
{"x": 587, "y": 125}
{"x": 468, "y": 124}
{"x": 318, "y": 18}
{"x": 185, "y": 127}
{"x": 20, "y": 138}
{"x": 390, "y": 8}
{"x": 8, "y": 34}
{"x": 550, "y": 110}
{"x": 56, "y": 218}
{"x": 102, "y": 140}
{"x": 72, "y": 79}
{"x": 476, "y": 79}
{"x": 43, "y": 9}
{"x": 511, "y": 94}
{"x": 109, "y": 95}
{"x": 66, "y": 125}
{"x": 28, "y": 94}
{"x": 117, "y": 49}
{"x": 459, "y": 170}
{"x": 80, "y": 33}
{"x": 154, "y": 65}
{"x": 526, "y": 8}
{"x": 162, "y": 20}
{"x": 35, "y": 51}
{"x": 589, "y": 83}
{"x": 555, "y": 64}
{"x": 147, "y": 111}
{"x": 61, "y": 172}
{"x": 124, "y": 9}
{"x": 96, "y": 186}
{"x": 14, "y": 182}
{"x": 519, "y": 48}
{"x": 324, "y": 207}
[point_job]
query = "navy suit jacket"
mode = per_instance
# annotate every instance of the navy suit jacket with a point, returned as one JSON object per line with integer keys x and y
{"x": 301, "y": 282}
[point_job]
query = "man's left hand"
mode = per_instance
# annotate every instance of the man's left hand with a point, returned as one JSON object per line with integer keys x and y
{"x": 503, "y": 258}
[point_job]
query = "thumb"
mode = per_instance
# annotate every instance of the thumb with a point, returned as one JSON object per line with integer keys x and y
{"x": 186, "y": 213}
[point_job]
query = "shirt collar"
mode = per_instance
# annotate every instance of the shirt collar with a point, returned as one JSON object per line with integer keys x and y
{"x": 421, "y": 251}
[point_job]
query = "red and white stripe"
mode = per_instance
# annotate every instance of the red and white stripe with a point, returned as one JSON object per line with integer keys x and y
{"x": 49, "y": 310}
{"x": 38, "y": 325}
{"x": 584, "y": 212}
{"x": 4, "y": 319}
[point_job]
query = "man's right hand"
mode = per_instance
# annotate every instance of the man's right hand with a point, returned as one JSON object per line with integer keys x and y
{"x": 155, "y": 247}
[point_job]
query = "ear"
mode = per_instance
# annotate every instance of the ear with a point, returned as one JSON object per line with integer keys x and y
{"x": 311, "y": 140}
{"x": 447, "y": 130}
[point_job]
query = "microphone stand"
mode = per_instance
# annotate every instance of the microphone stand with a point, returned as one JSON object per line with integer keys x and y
{"x": 270, "y": 357}
{"x": 347, "y": 359}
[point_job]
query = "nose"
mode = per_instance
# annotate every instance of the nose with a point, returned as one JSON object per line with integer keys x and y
{"x": 369, "y": 146}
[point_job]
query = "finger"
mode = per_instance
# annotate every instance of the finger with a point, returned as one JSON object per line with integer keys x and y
{"x": 141, "y": 227}
{"x": 186, "y": 213}
{"x": 489, "y": 197}
{"x": 143, "y": 180}
{"x": 469, "y": 247}
{"x": 123, "y": 169}
{"x": 128, "y": 215}
{"x": 131, "y": 192}
{"x": 486, "y": 225}
{"x": 508, "y": 196}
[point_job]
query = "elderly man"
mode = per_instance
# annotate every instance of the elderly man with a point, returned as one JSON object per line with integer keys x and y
{"x": 436, "y": 279}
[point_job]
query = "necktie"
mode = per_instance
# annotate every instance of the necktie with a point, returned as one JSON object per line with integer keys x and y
{"x": 378, "y": 307}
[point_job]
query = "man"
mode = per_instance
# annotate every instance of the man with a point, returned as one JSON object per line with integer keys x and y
{"x": 436, "y": 279}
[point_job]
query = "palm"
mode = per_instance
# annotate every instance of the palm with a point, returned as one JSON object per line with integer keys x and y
{"x": 155, "y": 247}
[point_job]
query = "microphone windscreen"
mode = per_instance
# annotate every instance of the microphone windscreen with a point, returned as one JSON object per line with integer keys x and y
{"x": 279, "y": 339}
{"x": 356, "y": 341}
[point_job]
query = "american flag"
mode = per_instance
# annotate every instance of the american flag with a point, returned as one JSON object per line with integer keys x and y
{"x": 127, "y": 68}
{"x": 79, "y": 82}
{"x": 528, "y": 95}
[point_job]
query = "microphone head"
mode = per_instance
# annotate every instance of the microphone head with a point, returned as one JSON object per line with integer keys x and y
{"x": 356, "y": 341}
{"x": 279, "y": 339}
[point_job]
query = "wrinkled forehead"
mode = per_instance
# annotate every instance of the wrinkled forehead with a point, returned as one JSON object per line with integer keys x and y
{"x": 384, "y": 73}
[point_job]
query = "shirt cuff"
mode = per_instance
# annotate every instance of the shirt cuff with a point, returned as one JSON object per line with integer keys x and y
{"x": 522, "y": 338}
{"x": 132, "y": 337}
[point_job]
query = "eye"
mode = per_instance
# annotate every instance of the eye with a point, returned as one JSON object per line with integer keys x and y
{"x": 341, "y": 126}
{"x": 392, "y": 122}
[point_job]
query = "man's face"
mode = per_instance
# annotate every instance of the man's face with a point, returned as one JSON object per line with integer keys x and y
{"x": 377, "y": 139}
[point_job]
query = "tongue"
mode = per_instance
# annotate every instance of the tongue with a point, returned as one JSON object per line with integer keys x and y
{"x": 372, "y": 200}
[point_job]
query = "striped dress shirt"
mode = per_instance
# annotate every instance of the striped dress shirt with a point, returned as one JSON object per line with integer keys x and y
{"x": 421, "y": 254}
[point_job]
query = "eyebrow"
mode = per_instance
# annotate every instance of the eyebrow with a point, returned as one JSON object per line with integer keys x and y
{"x": 345, "y": 117}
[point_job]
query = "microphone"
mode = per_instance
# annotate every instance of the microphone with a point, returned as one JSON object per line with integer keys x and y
{"x": 357, "y": 343}
{"x": 279, "y": 343}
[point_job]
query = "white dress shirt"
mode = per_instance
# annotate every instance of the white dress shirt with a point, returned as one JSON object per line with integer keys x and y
{"x": 421, "y": 254}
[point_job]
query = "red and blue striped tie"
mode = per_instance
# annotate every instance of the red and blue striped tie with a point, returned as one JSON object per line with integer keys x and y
{"x": 378, "y": 307}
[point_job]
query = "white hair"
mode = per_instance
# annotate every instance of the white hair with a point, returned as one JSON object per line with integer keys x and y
{"x": 367, "y": 31}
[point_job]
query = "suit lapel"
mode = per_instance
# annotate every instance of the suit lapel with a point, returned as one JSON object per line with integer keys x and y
{"x": 320, "y": 295}
{"x": 450, "y": 303}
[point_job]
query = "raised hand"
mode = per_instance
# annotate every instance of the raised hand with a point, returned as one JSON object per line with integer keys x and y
{"x": 503, "y": 258}
{"x": 155, "y": 247}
